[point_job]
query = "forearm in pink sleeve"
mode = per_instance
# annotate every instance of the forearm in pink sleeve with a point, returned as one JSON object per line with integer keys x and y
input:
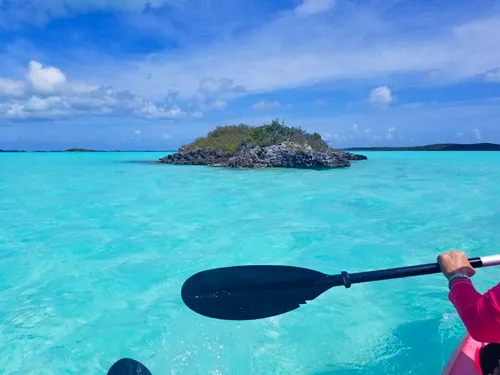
{"x": 479, "y": 313}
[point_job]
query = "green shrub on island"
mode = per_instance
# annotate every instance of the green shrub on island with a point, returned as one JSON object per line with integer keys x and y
{"x": 230, "y": 138}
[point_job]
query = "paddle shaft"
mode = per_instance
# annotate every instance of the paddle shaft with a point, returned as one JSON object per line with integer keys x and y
{"x": 347, "y": 279}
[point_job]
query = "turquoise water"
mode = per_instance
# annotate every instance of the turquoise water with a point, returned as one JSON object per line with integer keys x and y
{"x": 94, "y": 251}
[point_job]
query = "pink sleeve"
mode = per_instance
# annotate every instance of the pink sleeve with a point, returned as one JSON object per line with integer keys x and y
{"x": 479, "y": 313}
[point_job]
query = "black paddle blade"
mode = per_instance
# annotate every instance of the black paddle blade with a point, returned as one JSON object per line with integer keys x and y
{"x": 127, "y": 366}
{"x": 253, "y": 292}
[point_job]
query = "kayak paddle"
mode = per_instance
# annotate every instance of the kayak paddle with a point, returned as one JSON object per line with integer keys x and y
{"x": 256, "y": 292}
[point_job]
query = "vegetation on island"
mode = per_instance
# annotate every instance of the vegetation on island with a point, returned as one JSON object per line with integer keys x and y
{"x": 230, "y": 138}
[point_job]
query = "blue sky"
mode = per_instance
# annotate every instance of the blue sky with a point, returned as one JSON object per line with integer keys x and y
{"x": 138, "y": 74}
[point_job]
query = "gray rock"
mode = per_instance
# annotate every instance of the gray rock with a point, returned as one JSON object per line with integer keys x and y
{"x": 286, "y": 155}
{"x": 199, "y": 156}
{"x": 351, "y": 156}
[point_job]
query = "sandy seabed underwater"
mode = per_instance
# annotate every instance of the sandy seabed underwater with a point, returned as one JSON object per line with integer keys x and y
{"x": 94, "y": 250}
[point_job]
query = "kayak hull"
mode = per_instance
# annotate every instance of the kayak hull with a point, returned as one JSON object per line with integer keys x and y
{"x": 465, "y": 358}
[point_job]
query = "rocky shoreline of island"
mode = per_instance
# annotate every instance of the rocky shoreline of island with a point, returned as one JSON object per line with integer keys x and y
{"x": 275, "y": 156}
{"x": 268, "y": 146}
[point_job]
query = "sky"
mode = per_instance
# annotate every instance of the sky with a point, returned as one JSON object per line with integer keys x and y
{"x": 155, "y": 74}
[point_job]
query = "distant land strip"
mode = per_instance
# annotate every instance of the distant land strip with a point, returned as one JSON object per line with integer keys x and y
{"x": 434, "y": 147}
{"x": 86, "y": 150}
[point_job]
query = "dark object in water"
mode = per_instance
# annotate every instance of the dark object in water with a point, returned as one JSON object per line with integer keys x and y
{"x": 127, "y": 366}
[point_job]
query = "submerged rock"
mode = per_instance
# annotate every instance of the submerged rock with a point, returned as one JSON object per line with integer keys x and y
{"x": 352, "y": 156}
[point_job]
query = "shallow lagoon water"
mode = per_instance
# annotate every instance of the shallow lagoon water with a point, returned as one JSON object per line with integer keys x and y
{"x": 94, "y": 249}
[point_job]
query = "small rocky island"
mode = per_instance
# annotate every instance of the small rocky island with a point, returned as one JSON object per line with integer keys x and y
{"x": 267, "y": 146}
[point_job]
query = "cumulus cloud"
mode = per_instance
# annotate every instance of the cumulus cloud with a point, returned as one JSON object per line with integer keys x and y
{"x": 311, "y": 7}
{"x": 10, "y": 87}
{"x": 40, "y": 12}
{"x": 34, "y": 109}
{"x": 320, "y": 103}
{"x": 47, "y": 79}
{"x": 212, "y": 94}
{"x": 83, "y": 88}
{"x": 218, "y": 104}
{"x": 48, "y": 94}
{"x": 266, "y": 105}
{"x": 391, "y": 133}
{"x": 197, "y": 114}
{"x": 215, "y": 105}
{"x": 331, "y": 137}
{"x": 150, "y": 110}
{"x": 492, "y": 76}
{"x": 219, "y": 87}
{"x": 380, "y": 96}
{"x": 477, "y": 134}
{"x": 327, "y": 137}
{"x": 38, "y": 104}
{"x": 289, "y": 52}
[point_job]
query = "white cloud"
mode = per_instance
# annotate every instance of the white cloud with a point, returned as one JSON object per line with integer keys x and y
{"x": 460, "y": 134}
{"x": 52, "y": 96}
{"x": 311, "y": 7}
{"x": 380, "y": 96}
{"x": 451, "y": 117}
{"x": 19, "y": 111}
{"x": 354, "y": 128}
{"x": 367, "y": 131}
{"x": 492, "y": 76}
{"x": 291, "y": 52}
{"x": 391, "y": 133}
{"x": 266, "y": 106}
{"x": 197, "y": 114}
{"x": 165, "y": 135}
{"x": 215, "y": 105}
{"x": 298, "y": 52}
{"x": 38, "y": 104}
{"x": 330, "y": 137}
{"x": 320, "y": 103}
{"x": 83, "y": 88}
{"x": 327, "y": 137}
{"x": 221, "y": 87}
{"x": 477, "y": 134}
{"x": 45, "y": 80}
{"x": 36, "y": 107}
{"x": 137, "y": 132}
{"x": 10, "y": 87}
{"x": 150, "y": 110}
{"x": 219, "y": 104}
{"x": 41, "y": 11}
{"x": 14, "y": 110}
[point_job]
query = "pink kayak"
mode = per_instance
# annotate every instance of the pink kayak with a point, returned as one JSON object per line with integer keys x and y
{"x": 465, "y": 358}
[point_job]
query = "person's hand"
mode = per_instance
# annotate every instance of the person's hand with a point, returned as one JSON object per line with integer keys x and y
{"x": 455, "y": 262}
